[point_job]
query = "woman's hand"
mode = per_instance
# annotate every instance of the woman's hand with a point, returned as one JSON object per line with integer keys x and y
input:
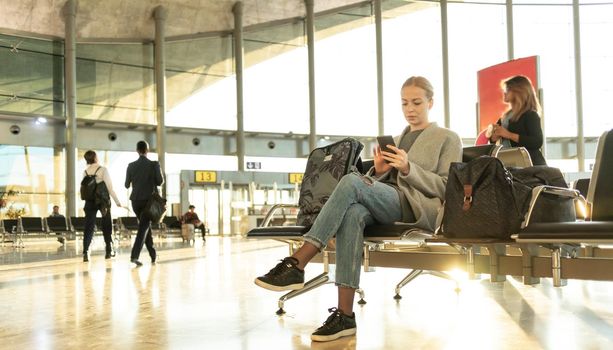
{"x": 501, "y": 132}
{"x": 380, "y": 165}
{"x": 398, "y": 159}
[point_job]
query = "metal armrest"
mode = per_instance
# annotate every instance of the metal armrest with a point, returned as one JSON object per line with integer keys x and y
{"x": 557, "y": 191}
{"x": 273, "y": 209}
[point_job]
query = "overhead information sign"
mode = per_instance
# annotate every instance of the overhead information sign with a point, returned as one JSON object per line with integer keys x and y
{"x": 295, "y": 178}
{"x": 205, "y": 176}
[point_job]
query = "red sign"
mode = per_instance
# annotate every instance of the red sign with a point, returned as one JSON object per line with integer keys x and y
{"x": 491, "y": 104}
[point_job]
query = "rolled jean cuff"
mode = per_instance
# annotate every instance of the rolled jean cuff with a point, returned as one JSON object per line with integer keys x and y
{"x": 345, "y": 285}
{"x": 314, "y": 241}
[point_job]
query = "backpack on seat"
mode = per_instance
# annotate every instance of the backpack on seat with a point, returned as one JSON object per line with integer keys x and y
{"x": 88, "y": 186}
{"x": 325, "y": 168}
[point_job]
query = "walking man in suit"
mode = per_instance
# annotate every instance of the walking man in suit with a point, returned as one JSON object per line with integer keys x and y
{"x": 144, "y": 175}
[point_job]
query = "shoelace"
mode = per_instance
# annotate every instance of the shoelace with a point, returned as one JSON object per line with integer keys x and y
{"x": 334, "y": 318}
{"x": 280, "y": 266}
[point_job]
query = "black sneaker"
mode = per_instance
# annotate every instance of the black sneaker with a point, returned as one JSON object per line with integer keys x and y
{"x": 284, "y": 276}
{"x": 337, "y": 325}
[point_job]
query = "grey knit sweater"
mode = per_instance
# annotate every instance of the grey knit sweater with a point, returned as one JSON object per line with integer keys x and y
{"x": 429, "y": 159}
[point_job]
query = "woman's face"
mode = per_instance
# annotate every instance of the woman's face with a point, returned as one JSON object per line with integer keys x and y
{"x": 415, "y": 107}
{"x": 507, "y": 95}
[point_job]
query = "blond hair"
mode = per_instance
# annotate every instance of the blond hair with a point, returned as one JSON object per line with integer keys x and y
{"x": 523, "y": 98}
{"x": 421, "y": 83}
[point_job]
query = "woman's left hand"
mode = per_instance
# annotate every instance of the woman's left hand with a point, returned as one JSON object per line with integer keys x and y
{"x": 502, "y": 132}
{"x": 398, "y": 160}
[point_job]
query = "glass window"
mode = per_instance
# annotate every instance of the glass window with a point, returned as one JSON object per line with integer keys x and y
{"x": 31, "y": 76}
{"x": 36, "y": 174}
{"x": 115, "y": 82}
{"x": 547, "y": 31}
{"x": 473, "y": 45}
{"x": 345, "y": 73}
{"x": 201, "y": 86}
{"x": 400, "y": 61}
{"x": 276, "y": 97}
{"x": 596, "y": 58}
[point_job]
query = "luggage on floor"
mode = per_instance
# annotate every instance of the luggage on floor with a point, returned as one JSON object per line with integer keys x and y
{"x": 187, "y": 232}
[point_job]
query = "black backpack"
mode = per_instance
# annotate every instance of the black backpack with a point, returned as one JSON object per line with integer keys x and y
{"x": 102, "y": 198}
{"x": 88, "y": 186}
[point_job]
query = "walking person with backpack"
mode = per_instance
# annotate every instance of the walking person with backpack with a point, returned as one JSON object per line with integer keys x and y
{"x": 144, "y": 175}
{"x": 96, "y": 191}
{"x": 406, "y": 184}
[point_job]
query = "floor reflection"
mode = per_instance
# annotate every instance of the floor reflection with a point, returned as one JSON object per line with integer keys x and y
{"x": 203, "y": 297}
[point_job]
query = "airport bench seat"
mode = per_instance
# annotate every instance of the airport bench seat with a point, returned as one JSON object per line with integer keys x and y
{"x": 596, "y": 230}
{"x": 60, "y": 227}
{"x": 600, "y": 232}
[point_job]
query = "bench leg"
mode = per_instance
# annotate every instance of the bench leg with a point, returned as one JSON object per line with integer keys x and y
{"x": 528, "y": 252}
{"x": 311, "y": 284}
{"x": 556, "y": 268}
{"x": 408, "y": 278}
{"x": 360, "y": 292}
{"x": 17, "y": 240}
{"x": 495, "y": 251}
{"x": 446, "y": 276}
{"x": 470, "y": 263}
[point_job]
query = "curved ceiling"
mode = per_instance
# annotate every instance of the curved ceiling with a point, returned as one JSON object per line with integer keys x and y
{"x": 128, "y": 20}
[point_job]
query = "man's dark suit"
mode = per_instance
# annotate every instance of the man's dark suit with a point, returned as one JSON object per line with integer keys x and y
{"x": 144, "y": 175}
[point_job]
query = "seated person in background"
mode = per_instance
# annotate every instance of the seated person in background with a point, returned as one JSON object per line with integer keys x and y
{"x": 192, "y": 218}
{"x": 520, "y": 126}
{"x": 56, "y": 214}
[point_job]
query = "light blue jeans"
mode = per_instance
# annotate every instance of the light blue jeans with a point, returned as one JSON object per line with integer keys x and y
{"x": 356, "y": 202}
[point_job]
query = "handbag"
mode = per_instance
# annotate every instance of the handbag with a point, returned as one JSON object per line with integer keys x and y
{"x": 482, "y": 201}
{"x": 155, "y": 208}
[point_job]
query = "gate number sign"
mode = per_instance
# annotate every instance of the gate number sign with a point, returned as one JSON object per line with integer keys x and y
{"x": 201, "y": 176}
{"x": 295, "y": 178}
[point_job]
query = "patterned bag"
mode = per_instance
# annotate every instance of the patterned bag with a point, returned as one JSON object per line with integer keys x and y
{"x": 325, "y": 167}
{"x": 482, "y": 201}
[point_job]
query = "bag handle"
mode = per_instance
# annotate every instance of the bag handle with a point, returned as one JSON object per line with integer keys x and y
{"x": 468, "y": 197}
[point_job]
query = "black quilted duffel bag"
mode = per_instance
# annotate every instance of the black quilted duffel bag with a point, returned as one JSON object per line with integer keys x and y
{"x": 483, "y": 199}
{"x": 548, "y": 207}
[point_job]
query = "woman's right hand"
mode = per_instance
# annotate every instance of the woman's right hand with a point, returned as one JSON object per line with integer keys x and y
{"x": 381, "y": 166}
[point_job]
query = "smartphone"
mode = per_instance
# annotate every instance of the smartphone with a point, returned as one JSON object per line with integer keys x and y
{"x": 384, "y": 141}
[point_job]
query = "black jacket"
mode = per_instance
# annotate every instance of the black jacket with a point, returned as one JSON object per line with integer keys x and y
{"x": 528, "y": 127}
{"x": 144, "y": 175}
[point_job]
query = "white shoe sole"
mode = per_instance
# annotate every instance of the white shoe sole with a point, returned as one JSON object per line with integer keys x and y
{"x": 274, "y": 288}
{"x": 344, "y": 333}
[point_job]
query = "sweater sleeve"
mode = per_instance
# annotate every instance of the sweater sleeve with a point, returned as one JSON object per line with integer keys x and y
{"x": 533, "y": 136}
{"x": 106, "y": 177}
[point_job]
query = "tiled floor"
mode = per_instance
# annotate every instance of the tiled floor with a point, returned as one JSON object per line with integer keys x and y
{"x": 203, "y": 297}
